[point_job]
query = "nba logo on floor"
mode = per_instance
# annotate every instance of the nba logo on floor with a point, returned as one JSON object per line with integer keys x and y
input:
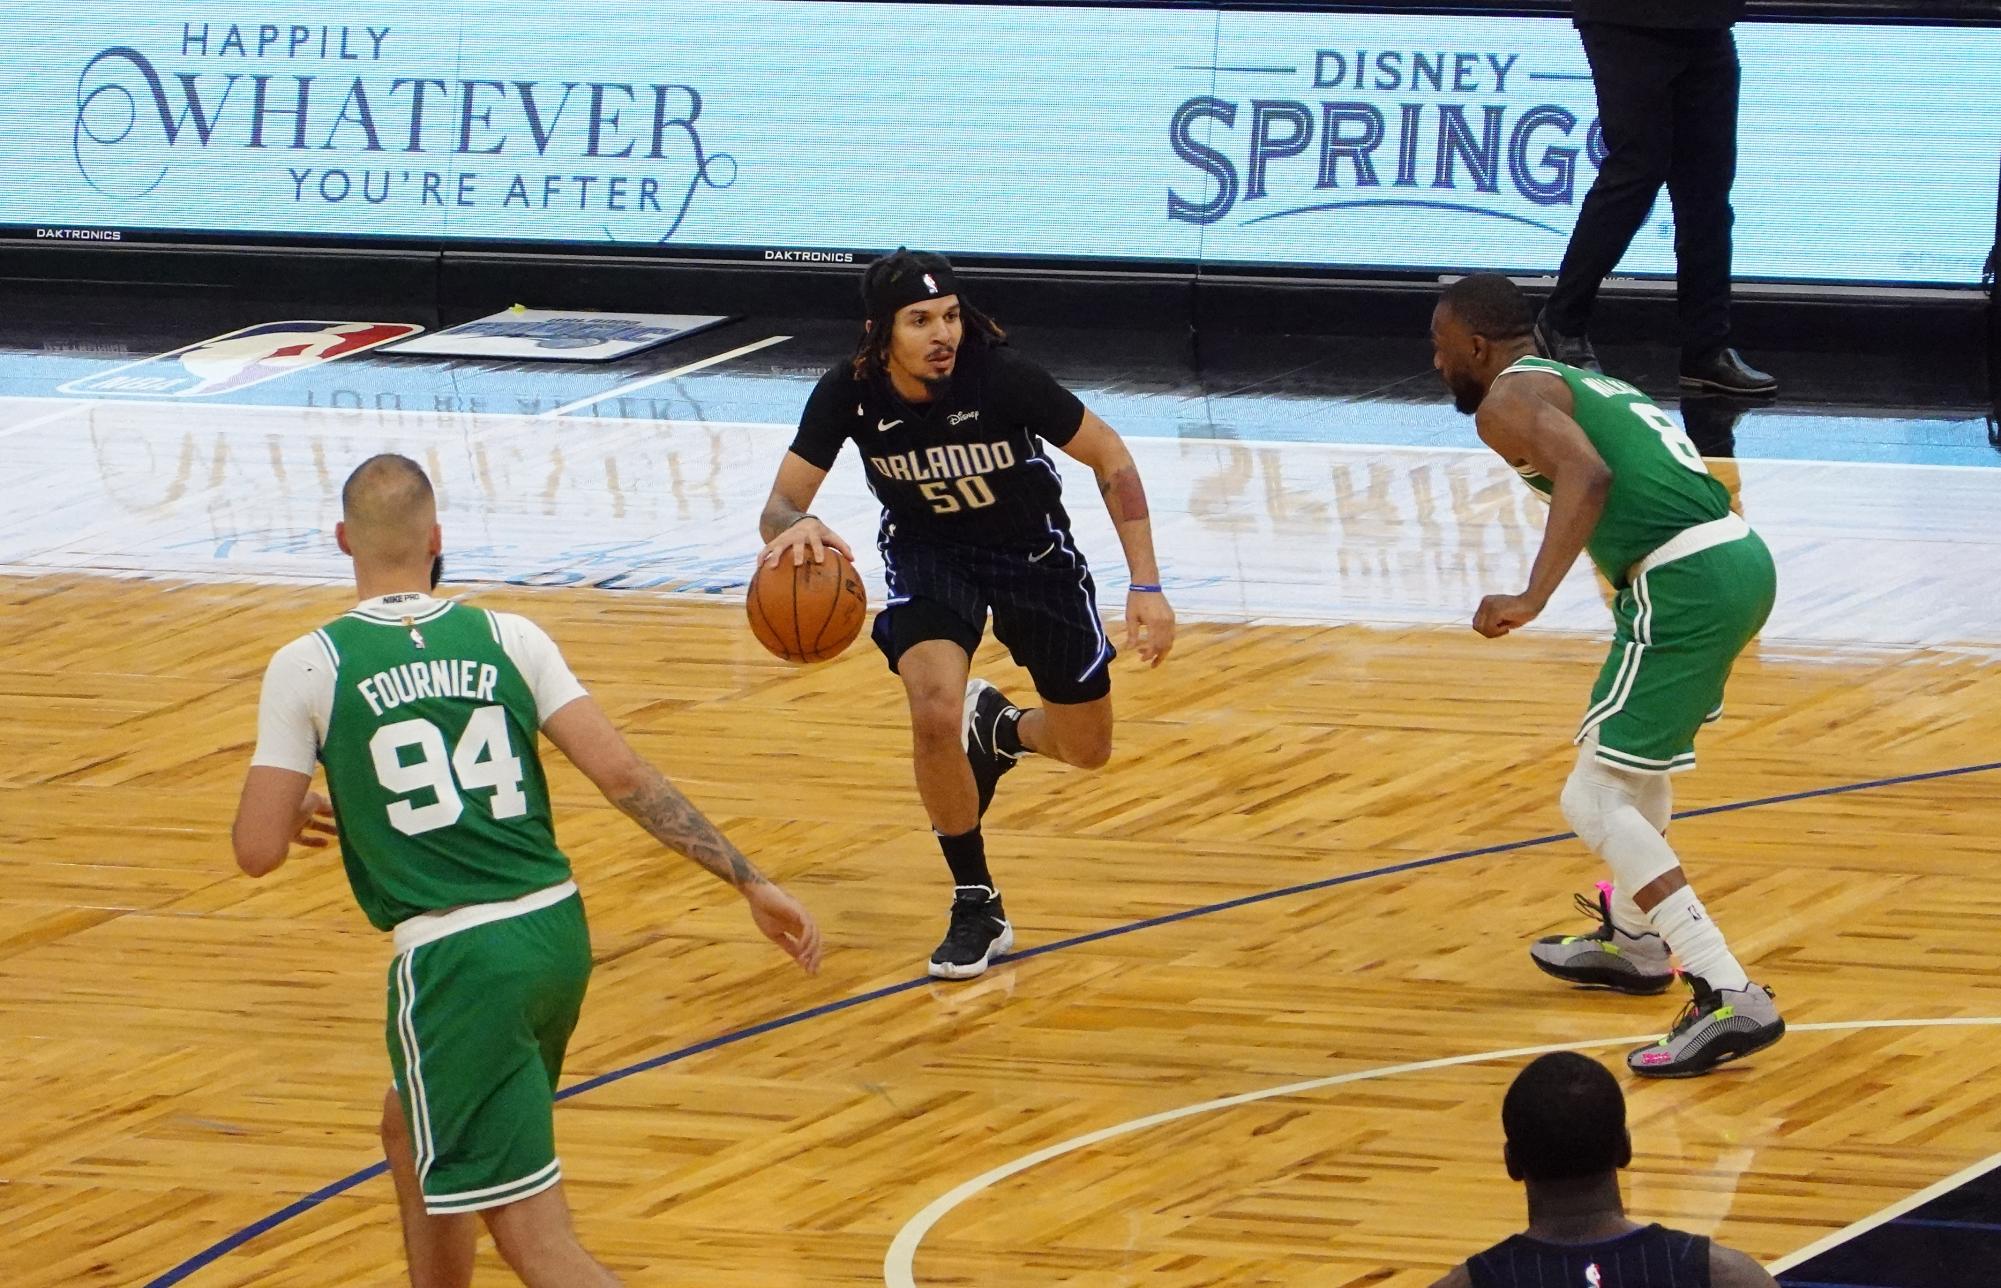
{"x": 239, "y": 359}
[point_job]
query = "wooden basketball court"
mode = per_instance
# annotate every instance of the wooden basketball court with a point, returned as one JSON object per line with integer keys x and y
{"x": 193, "y": 1051}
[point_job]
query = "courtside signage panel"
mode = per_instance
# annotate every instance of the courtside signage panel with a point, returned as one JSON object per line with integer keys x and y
{"x": 790, "y": 130}
{"x": 558, "y": 335}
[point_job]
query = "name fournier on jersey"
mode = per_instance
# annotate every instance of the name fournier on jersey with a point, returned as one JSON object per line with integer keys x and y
{"x": 443, "y": 678}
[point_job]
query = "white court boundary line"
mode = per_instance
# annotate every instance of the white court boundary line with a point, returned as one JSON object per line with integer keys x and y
{"x": 78, "y": 405}
{"x": 623, "y": 390}
{"x": 898, "y": 1264}
{"x": 455, "y": 419}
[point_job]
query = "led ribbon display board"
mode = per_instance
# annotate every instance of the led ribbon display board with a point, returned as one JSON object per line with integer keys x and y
{"x": 797, "y": 130}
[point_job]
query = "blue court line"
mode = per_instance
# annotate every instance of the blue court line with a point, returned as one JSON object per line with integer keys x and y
{"x": 224, "y": 1247}
{"x": 1940, "y": 1223}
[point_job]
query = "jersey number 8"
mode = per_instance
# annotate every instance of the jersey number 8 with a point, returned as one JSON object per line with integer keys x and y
{"x": 484, "y": 758}
{"x": 1678, "y": 443}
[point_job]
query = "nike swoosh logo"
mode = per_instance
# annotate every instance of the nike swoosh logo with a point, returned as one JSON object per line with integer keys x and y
{"x": 1040, "y": 557}
{"x": 883, "y": 426}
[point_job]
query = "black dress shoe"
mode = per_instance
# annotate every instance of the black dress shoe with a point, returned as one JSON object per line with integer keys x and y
{"x": 1726, "y": 372}
{"x": 1570, "y": 350}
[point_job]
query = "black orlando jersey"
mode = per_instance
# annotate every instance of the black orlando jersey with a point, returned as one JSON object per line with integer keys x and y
{"x": 969, "y": 467}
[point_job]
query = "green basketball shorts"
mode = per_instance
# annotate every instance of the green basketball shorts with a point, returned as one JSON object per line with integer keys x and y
{"x": 1678, "y": 629}
{"x": 478, "y": 1024}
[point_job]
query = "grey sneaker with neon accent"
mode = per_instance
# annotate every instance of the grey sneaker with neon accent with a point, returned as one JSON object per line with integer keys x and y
{"x": 1717, "y": 1025}
{"x": 1608, "y": 957}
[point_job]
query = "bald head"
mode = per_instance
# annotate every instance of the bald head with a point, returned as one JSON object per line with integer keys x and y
{"x": 388, "y": 512}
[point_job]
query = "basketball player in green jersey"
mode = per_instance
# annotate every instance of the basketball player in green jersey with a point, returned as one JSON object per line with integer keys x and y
{"x": 425, "y": 713}
{"x": 1694, "y": 586}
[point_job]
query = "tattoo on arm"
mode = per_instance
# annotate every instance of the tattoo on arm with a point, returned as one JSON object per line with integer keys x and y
{"x": 779, "y": 514}
{"x": 1124, "y": 496}
{"x": 672, "y": 819}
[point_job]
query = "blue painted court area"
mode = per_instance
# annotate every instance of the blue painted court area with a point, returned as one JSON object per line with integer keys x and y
{"x": 1952, "y": 1241}
{"x": 1952, "y": 1218}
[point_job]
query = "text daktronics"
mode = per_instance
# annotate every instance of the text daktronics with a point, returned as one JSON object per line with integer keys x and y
{"x": 1393, "y": 120}
{"x": 124, "y": 102}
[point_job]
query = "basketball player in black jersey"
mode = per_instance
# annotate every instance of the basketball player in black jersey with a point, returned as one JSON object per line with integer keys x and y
{"x": 951, "y": 425}
{"x": 1565, "y": 1120}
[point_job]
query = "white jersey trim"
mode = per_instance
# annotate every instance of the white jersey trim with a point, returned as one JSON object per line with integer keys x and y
{"x": 429, "y": 927}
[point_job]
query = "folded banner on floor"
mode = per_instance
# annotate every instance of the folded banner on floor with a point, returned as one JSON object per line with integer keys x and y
{"x": 558, "y": 335}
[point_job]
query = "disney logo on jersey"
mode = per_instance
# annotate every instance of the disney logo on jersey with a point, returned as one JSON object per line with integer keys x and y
{"x": 960, "y": 416}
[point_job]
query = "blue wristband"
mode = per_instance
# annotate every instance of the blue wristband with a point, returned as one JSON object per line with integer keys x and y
{"x": 1140, "y": 589}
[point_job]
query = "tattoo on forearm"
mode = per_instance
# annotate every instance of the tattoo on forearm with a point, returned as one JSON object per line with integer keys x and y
{"x": 1124, "y": 496}
{"x": 673, "y": 820}
{"x": 779, "y": 514}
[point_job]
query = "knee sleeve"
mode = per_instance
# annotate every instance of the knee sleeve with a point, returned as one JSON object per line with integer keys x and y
{"x": 1604, "y": 807}
{"x": 1657, "y": 800}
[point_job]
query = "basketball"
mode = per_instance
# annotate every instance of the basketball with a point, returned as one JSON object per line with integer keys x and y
{"x": 807, "y": 613}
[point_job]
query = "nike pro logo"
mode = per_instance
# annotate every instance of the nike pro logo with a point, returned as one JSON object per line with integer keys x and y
{"x": 884, "y": 426}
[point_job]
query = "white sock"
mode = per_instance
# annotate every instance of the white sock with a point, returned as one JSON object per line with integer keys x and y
{"x": 1684, "y": 923}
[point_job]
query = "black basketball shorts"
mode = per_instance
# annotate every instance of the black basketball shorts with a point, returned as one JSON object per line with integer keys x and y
{"x": 1044, "y": 606}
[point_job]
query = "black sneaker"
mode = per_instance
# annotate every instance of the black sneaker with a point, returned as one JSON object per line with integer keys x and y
{"x": 1570, "y": 350}
{"x": 979, "y": 933}
{"x": 987, "y": 708}
{"x": 1726, "y": 372}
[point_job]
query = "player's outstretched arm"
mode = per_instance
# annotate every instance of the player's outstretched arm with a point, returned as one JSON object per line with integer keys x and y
{"x": 275, "y": 812}
{"x": 1149, "y": 617}
{"x": 1525, "y": 427}
{"x": 583, "y": 732}
{"x": 785, "y": 525}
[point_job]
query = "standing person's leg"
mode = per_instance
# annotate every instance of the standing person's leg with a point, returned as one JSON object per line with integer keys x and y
{"x": 1632, "y": 71}
{"x": 1700, "y": 175}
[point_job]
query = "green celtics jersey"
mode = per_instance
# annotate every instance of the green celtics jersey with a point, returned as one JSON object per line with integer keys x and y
{"x": 431, "y": 760}
{"x": 1660, "y": 485}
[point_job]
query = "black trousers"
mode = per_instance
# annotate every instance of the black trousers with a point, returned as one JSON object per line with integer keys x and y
{"x": 1667, "y": 100}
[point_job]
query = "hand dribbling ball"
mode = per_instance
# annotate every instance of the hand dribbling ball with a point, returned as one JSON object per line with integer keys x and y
{"x": 807, "y": 613}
